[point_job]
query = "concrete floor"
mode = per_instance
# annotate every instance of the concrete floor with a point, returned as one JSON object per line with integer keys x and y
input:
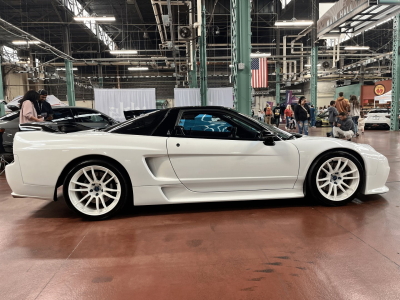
{"x": 286, "y": 249}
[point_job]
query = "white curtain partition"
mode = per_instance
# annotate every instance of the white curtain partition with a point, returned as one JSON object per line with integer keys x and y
{"x": 220, "y": 97}
{"x": 215, "y": 97}
{"x": 114, "y": 102}
{"x": 187, "y": 97}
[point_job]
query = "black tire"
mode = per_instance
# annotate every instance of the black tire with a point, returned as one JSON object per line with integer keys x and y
{"x": 318, "y": 124}
{"x": 99, "y": 167}
{"x": 311, "y": 180}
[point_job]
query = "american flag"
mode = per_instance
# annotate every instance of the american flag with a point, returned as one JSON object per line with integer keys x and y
{"x": 259, "y": 73}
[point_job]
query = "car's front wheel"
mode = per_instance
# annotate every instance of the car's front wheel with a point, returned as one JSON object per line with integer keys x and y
{"x": 335, "y": 178}
{"x": 95, "y": 189}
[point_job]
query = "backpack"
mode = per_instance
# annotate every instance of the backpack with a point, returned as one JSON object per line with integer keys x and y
{"x": 268, "y": 112}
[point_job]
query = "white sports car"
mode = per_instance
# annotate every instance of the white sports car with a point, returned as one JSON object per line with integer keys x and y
{"x": 378, "y": 118}
{"x": 190, "y": 154}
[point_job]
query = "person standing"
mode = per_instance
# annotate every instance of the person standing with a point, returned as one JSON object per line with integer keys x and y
{"x": 44, "y": 107}
{"x": 277, "y": 115}
{"x": 28, "y": 111}
{"x": 342, "y": 104}
{"x": 268, "y": 114}
{"x": 355, "y": 109}
{"x": 332, "y": 117}
{"x": 345, "y": 127}
{"x": 302, "y": 115}
{"x": 260, "y": 115}
{"x": 288, "y": 115}
{"x": 312, "y": 115}
{"x": 361, "y": 123}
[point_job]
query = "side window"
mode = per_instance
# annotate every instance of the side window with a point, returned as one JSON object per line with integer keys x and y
{"x": 143, "y": 125}
{"x": 62, "y": 114}
{"x": 214, "y": 125}
{"x": 88, "y": 116}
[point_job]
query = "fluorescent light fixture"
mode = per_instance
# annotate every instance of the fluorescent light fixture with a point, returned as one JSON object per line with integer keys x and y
{"x": 25, "y": 42}
{"x": 63, "y": 69}
{"x": 259, "y": 55}
{"x": 123, "y": 52}
{"x": 295, "y": 23}
{"x": 356, "y": 48}
{"x": 138, "y": 68}
{"x": 97, "y": 19}
{"x": 310, "y": 65}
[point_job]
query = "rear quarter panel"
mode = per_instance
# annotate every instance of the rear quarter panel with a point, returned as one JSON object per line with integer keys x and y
{"x": 43, "y": 156}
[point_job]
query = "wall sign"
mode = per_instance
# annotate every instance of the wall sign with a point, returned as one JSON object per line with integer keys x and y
{"x": 340, "y": 12}
{"x": 379, "y": 89}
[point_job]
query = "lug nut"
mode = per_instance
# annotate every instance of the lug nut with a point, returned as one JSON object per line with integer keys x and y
{"x": 91, "y": 190}
{"x": 97, "y": 194}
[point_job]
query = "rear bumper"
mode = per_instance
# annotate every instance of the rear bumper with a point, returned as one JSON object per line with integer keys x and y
{"x": 22, "y": 190}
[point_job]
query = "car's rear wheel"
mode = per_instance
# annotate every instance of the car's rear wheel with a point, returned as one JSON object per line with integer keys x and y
{"x": 318, "y": 124}
{"x": 335, "y": 178}
{"x": 95, "y": 189}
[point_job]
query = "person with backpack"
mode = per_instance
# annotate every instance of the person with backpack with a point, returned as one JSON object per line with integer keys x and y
{"x": 268, "y": 114}
{"x": 277, "y": 115}
{"x": 302, "y": 115}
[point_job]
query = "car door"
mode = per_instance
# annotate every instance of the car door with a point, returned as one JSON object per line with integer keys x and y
{"x": 90, "y": 118}
{"x": 213, "y": 151}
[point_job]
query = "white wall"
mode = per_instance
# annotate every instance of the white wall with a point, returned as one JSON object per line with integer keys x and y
{"x": 325, "y": 92}
{"x": 15, "y": 85}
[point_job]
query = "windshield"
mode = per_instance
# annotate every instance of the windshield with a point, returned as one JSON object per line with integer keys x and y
{"x": 280, "y": 133}
{"x": 11, "y": 116}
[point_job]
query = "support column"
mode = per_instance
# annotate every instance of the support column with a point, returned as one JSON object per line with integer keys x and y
{"x": 278, "y": 85}
{"x": 193, "y": 68}
{"x": 69, "y": 73}
{"x": 394, "y": 114}
{"x": 314, "y": 53}
{"x": 2, "y": 107}
{"x": 241, "y": 49}
{"x": 203, "y": 57}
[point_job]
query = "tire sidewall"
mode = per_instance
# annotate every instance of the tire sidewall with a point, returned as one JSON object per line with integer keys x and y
{"x": 312, "y": 175}
{"x": 116, "y": 171}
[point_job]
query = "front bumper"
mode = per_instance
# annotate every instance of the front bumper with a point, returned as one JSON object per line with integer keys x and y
{"x": 376, "y": 184}
{"x": 22, "y": 190}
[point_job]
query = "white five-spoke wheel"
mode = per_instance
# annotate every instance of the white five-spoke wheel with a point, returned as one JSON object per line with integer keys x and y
{"x": 335, "y": 178}
{"x": 95, "y": 190}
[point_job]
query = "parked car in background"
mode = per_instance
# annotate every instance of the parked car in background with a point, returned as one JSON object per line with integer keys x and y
{"x": 378, "y": 118}
{"x": 322, "y": 119}
{"x": 65, "y": 119}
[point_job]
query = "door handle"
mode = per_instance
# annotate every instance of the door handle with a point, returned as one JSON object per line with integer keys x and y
{"x": 9, "y": 134}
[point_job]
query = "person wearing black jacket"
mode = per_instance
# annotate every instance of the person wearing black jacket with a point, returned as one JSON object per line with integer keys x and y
{"x": 302, "y": 115}
{"x": 277, "y": 115}
{"x": 43, "y": 107}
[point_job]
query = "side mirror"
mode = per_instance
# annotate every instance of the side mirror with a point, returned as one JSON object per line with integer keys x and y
{"x": 268, "y": 139}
